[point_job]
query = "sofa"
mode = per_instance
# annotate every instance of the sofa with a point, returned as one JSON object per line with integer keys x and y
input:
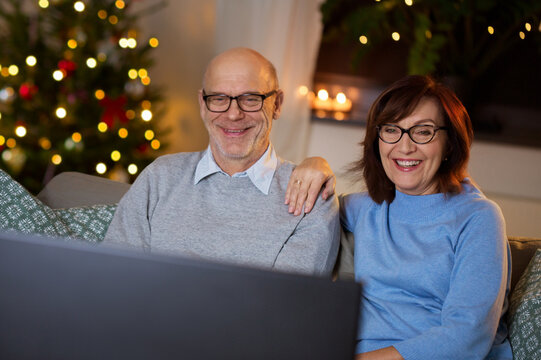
{"x": 72, "y": 189}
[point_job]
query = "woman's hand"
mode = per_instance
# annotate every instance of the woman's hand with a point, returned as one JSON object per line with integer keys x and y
{"x": 388, "y": 353}
{"x": 306, "y": 182}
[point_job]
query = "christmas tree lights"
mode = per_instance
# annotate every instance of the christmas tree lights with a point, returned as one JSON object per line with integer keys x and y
{"x": 75, "y": 91}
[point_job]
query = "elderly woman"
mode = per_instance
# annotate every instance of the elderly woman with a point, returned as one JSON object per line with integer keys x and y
{"x": 430, "y": 248}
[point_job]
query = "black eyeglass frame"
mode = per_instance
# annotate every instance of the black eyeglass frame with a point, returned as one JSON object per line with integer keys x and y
{"x": 408, "y": 131}
{"x": 231, "y": 98}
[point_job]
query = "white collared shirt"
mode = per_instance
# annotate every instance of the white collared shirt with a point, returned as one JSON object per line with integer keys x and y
{"x": 260, "y": 173}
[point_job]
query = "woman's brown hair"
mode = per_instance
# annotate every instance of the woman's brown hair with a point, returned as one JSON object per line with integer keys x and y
{"x": 397, "y": 102}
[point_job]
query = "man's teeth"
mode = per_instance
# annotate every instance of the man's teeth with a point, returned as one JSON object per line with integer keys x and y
{"x": 408, "y": 163}
{"x": 235, "y": 131}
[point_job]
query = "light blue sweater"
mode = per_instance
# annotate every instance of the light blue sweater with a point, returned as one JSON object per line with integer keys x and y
{"x": 435, "y": 273}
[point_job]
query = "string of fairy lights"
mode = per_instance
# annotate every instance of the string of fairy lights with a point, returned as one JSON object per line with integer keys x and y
{"x": 395, "y": 35}
{"x": 140, "y": 75}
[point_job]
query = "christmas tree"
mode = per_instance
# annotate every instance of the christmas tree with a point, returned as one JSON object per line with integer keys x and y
{"x": 75, "y": 90}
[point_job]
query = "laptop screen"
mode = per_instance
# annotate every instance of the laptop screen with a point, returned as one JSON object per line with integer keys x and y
{"x": 70, "y": 300}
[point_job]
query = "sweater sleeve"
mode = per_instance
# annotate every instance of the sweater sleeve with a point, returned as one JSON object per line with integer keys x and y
{"x": 313, "y": 246}
{"x": 477, "y": 291}
{"x": 130, "y": 225}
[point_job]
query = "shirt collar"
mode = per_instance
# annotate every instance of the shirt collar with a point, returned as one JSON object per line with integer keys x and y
{"x": 260, "y": 173}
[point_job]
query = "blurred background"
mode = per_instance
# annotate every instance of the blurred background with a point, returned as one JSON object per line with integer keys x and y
{"x": 105, "y": 86}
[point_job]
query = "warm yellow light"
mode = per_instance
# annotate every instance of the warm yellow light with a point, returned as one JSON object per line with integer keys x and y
{"x": 4, "y": 71}
{"x": 145, "y": 104}
{"x": 20, "y": 131}
{"x": 31, "y": 60}
{"x": 123, "y": 42}
{"x": 120, "y": 4}
{"x": 115, "y": 155}
{"x": 155, "y": 144}
{"x": 13, "y": 70}
{"x": 396, "y": 36}
{"x": 528, "y": 27}
{"x": 113, "y": 20}
{"x": 58, "y": 75}
{"x": 130, "y": 114}
{"x": 338, "y": 115}
{"x": 145, "y": 81}
{"x": 149, "y": 135}
{"x": 428, "y": 34}
{"x": 132, "y": 169}
{"x": 102, "y": 14}
{"x": 99, "y": 94}
{"x": 76, "y": 137}
{"x": 91, "y": 62}
{"x": 79, "y": 6}
{"x": 61, "y": 112}
{"x": 323, "y": 94}
{"x": 363, "y": 39}
{"x": 132, "y": 43}
{"x": 490, "y": 30}
{"x": 72, "y": 43}
{"x": 56, "y": 159}
{"x": 44, "y": 143}
{"x": 123, "y": 133}
{"x": 303, "y": 90}
{"x": 153, "y": 42}
{"x": 522, "y": 35}
{"x": 11, "y": 143}
{"x": 102, "y": 127}
{"x": 132, "y": 74}
{"x": 142, "y": 73}
{"x": 101, "y": 168}
{"x": 146, "y": 115}
{"x": 341, "y": 98}
{"x": 408, "y": 2}
{"x": 132, "y": 33}
{"x": 2, "y": 140}
{"x": 44, "y": 4}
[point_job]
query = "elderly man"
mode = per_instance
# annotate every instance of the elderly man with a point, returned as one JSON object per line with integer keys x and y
{"x": 227, "y": 203}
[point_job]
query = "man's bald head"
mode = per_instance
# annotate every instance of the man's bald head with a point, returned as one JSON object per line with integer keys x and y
{"x": 242, "y": 57}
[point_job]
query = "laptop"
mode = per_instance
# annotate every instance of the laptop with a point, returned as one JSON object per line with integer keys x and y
{"x": 68, "y": 300}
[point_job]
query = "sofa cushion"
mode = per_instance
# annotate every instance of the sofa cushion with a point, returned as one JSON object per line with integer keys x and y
{"x": 88, "y": 222}
{"x": 22, "y": 212}
{"x": 525, "y": 313}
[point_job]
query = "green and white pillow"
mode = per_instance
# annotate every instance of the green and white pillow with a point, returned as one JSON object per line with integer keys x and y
{"x": 22, "y": 212}
{"x": 525, "y": 313}
{"x": 89, "y": 223}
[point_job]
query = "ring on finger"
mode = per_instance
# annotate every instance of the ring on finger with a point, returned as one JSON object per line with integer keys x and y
{"x": 297, "y": 182}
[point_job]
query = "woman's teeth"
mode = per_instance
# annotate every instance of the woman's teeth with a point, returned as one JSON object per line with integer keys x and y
{"x": 408, "y": 163}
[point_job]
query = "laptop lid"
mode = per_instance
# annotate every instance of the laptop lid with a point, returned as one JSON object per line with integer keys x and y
{"x": 69, "y": 300}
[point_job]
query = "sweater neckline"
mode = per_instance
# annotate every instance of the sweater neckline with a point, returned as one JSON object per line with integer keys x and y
{"x": 417, "y": 208}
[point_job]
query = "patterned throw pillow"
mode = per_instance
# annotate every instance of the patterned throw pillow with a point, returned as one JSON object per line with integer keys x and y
{"x": 525, "y": 313}
{"x": 22, "y": 212}
{"x": 89, "y": 222}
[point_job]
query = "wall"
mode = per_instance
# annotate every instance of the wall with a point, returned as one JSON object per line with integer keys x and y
{"x": 509, "y": 175}
{"x": 185, "y": 30}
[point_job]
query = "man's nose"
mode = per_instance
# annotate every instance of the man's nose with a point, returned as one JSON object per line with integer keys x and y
{"x": 234, "y": 112}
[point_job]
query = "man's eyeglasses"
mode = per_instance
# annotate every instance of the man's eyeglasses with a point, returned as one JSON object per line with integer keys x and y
{"x": 419, "y": 134}
{"x": 246, "y": 102}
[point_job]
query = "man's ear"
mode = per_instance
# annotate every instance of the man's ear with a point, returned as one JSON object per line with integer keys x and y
{"x": 279, "y": 100}
{"x": 202, "y": 106}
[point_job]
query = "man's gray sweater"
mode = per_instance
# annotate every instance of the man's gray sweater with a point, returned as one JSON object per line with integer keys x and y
{"x": 223, "y": 218}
